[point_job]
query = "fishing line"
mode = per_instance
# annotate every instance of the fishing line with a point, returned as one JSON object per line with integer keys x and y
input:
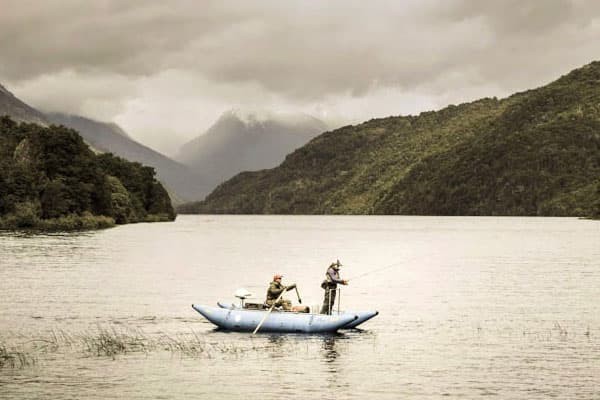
{"x": 376, "y": 270}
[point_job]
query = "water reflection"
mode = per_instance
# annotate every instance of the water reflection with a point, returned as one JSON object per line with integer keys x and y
{"x": 329, "y": 352}
{"x": 276, "y": 344}
{"x": 277, "y": 340}
{"x": 279, "y": 345}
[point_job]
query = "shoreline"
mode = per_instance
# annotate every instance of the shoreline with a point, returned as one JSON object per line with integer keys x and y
{"x": 69, "y": 223}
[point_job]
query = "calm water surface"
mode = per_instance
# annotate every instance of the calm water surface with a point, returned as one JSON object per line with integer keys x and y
{"x": 469, "y": 307}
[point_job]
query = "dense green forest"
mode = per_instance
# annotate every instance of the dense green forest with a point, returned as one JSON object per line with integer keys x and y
{"x": 50, "y": 179}
{"x": 533, "y": 153}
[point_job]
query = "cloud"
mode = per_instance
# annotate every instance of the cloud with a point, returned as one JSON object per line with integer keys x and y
{"x": 168, "y": 110}
{"x": 98, "y": 96}
{"x": 299, "y": 49}
{"x": 353, "y": 59}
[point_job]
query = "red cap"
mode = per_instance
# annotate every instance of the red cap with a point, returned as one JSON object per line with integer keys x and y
{"x": 277, "y": 276}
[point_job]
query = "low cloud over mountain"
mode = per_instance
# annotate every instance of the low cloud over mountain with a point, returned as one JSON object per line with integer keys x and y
{"x": 247, "y": 141}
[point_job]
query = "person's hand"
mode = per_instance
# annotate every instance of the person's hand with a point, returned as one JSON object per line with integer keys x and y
{"x": 292, "y": 286}
{"x": 345, "y": 282}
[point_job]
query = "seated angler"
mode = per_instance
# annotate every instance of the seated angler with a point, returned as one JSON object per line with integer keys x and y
{"x": 276, "y": 288}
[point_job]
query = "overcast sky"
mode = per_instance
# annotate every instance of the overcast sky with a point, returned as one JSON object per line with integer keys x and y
{"x": 165, "y": 71}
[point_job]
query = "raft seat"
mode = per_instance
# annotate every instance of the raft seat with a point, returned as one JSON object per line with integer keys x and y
{"x": 256, "y": 306}
{"x": 265, "y": 306}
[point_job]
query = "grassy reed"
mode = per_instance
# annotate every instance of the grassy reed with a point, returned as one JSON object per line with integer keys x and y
{"x": 15, "y": 359}
{"x": 112, "y": 342}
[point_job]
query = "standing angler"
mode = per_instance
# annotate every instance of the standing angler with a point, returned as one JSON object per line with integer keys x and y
{"x": 332, "y": 278}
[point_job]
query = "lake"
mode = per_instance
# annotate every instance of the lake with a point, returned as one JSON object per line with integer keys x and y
{"x": 468, "y": 307}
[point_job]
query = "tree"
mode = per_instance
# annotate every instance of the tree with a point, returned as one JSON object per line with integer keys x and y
{"x": 55, "y": 199}
{"x": 121, "y": 209}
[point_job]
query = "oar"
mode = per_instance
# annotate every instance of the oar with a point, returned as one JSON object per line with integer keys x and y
{"x": 298, "y": 294}
{"x": 268, "y": 312}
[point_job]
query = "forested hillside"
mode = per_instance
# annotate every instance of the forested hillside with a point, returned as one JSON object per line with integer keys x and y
{"x": 178, "y": 179}
{"x": 50, "y": 179}
{"x": 533, "y": 153}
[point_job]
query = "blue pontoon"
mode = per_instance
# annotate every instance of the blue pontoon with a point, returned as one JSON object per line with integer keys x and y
{"x": 248, "y": 316}
{"x": 277, "y": 321}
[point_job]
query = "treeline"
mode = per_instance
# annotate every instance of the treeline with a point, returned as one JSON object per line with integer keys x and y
{"x": 50, "y": 179}
{"x": 533, "y": 153}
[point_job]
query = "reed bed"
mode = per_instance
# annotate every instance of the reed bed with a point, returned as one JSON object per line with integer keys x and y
{"x": 12, "y": 358}
{"x": 112, "y": 342}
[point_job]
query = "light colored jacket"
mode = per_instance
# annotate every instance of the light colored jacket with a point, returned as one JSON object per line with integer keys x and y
{"x": 332, "y": 276}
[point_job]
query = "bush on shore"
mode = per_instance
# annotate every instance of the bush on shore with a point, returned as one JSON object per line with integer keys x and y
{"x": 70, "y": 222}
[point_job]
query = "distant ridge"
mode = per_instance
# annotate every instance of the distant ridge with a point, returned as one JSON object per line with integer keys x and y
{"x": 533, "y": 153}
{"x": 18, "y": 110}
{"x": 247, "y": 140}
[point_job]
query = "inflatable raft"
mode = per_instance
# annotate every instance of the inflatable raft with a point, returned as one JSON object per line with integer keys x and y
{"x": 248, "y": 316}
{"x": 362, "y": 316}
{"x": 244, "y": 320}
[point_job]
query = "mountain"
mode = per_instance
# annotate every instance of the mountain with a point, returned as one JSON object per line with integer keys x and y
{"x": 51, "y": 179}
{"x": 18, "y": 110}
{"x": 182, "y": 183}
{"x": 109, "y": 137}
{"x": 242, "y": 141}
{"x": 533, "y": 153}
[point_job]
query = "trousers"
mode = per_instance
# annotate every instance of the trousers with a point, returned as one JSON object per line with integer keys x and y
{"x": 285, "y": 304}
{"x": 328, "y": 300}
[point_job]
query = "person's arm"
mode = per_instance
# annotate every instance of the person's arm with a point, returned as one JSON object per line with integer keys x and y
{"x": 290, "y": 287}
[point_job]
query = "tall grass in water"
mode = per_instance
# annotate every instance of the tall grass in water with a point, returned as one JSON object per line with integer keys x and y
{"x": 15, "y": 359}
{"x": 112, "y": 342}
